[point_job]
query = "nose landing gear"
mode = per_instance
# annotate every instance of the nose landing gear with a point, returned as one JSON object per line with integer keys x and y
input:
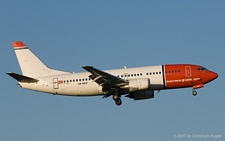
{"x": 194, "y": 92}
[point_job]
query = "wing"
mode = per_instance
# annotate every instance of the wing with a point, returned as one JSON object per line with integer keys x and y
{"x": 103, "y": 78}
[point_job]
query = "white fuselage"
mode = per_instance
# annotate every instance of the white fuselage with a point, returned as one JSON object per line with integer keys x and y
{"x": 79, "y": 84}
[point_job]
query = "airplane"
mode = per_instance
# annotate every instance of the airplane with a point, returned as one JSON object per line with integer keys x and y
{"x": 137, "y": 83}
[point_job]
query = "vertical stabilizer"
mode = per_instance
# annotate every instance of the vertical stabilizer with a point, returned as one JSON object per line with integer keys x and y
{"x": 30, "y": 64}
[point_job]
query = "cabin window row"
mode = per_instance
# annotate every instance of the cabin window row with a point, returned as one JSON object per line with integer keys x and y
{"x": 153, "y": 73}
{"x": 77, "y": 80}
{"x": 173, "y": 71}
{"x": 125, "y": 75}
{"x": 130, "y": 75}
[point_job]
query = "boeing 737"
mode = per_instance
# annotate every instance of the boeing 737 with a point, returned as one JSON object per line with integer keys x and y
{"x": 135, "y": 83}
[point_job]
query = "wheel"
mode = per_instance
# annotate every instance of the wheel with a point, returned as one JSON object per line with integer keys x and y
{"x": 115, "y": 97}
{"x": 118, "y": 102}
{"x": 194, "y": 92}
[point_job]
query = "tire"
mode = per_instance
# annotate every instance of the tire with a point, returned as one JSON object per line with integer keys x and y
{"x": 118, "y": 102}
{"x": 194, "y": 93}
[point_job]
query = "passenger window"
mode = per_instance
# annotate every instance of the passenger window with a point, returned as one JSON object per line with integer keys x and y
{"x": 156, "y": 72}
{"x": 160, "y": 72}
{"x": 146, "y": 73}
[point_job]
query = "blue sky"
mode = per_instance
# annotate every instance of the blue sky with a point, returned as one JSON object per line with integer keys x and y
{"x": 107, "y": 35}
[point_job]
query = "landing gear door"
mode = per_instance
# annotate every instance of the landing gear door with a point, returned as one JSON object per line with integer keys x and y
{"x": 55, "y": 83}
{"x": 188, "y": 71}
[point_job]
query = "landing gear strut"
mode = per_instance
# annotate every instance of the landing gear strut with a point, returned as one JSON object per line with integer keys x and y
{"x": 194, "y": 92}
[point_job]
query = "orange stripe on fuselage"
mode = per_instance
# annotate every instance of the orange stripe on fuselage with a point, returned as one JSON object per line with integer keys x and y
{"x": 182, "y": 75}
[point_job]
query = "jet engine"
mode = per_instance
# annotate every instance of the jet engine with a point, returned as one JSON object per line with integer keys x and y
{"x": 139, "y": 95}
{"x": 140, "y": 84}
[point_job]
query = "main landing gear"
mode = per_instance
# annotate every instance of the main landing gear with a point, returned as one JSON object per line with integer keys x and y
{"x": 194, "y": 92}
{"x": 116, "y": 98}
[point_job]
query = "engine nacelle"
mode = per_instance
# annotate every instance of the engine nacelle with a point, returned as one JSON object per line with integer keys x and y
{"x": 140, "y": 84}
{"x": 141, "y": 95}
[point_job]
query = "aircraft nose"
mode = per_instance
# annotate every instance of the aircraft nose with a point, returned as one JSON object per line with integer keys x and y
{"x": 213, "y": 75}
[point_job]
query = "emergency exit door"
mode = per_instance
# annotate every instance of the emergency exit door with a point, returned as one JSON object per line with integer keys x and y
{"x": 55, "y": 83}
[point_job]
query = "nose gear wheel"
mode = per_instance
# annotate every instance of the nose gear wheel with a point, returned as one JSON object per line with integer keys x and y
{"x": 194, "y": 92}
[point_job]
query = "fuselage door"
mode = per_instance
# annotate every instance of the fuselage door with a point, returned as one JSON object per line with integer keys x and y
{"x": 188, "y": 71}
{"x": 55, "y": 83}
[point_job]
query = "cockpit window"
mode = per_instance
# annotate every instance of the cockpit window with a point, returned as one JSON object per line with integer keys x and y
{"x": 202, "y": 69}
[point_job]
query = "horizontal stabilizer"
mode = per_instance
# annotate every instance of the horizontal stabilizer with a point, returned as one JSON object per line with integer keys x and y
{"x": 22, "y": 78}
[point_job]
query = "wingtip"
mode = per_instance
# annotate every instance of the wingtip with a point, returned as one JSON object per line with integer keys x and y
{"x": 86, "y": 66}
{"x": 8, "y": 73}
{"x": 18, "y": 45}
